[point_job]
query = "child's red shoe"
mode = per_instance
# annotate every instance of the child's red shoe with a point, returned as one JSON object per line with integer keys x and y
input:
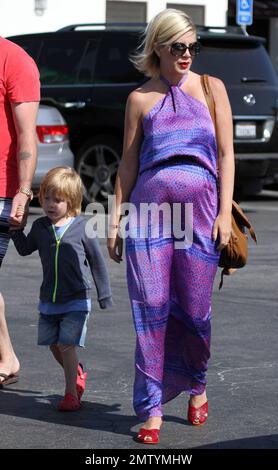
{"x": 69, "y": 403}
{"x": 80, "y": 381}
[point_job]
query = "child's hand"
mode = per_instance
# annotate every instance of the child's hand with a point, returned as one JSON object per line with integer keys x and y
{"x": 19, "y": 212}
{"x": 20, "y": 226}
{"x": 16, "y": 228}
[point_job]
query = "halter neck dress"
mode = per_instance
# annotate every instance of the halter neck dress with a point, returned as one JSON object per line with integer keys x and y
{"x": 170, "y": 287}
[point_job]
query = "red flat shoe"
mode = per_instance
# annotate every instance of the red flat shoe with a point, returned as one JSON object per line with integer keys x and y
{"x": 69, "y": 403}
{"x": 80, "y": 381}
{"x": 148, "y": 436}
{"x": 197, "y": 416}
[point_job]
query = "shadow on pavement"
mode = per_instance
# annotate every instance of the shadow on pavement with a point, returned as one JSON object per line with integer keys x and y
{"x": 34, "y": 405}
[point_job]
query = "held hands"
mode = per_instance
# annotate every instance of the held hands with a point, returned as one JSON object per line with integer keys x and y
{"x": 19, "y": 212}
{"x": 222, "y": 230}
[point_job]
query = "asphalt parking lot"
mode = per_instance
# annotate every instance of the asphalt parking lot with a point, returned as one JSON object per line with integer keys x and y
{"x": 242, "y": 378}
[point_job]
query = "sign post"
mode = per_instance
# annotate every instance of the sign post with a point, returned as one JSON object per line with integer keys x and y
{"x": 244, "y": 13}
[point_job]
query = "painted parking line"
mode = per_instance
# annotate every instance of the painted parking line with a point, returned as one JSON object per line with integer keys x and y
{"x": 258, "y": 207}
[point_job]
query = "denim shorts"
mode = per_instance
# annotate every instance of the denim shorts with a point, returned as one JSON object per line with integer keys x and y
{"x": 64, "y": 328}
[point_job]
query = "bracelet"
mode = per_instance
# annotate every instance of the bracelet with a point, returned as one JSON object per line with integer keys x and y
{"x": 27, "y": 191}
{"x": 114, "y": 225}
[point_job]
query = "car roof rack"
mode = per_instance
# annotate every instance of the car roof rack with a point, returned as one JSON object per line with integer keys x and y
{"x": 221, "y": 29}
{"x": 73, "y": 27}
{"x": 209, "y": 31}
{"x": 200, "y": 28}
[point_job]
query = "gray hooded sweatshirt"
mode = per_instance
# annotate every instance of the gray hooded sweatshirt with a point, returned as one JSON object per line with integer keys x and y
{"x": 69, "y": 264}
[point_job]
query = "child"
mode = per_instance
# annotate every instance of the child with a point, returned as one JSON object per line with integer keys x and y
{"x": 68, "y": 258}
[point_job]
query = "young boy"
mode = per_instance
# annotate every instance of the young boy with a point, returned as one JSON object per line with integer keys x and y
{"x": 69, "y": 260}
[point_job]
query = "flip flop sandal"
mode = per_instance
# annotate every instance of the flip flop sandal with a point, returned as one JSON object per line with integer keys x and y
{"x": 8, "y": 379}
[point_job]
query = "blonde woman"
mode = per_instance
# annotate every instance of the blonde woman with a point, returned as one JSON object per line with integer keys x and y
{"x": 170, "y": 155}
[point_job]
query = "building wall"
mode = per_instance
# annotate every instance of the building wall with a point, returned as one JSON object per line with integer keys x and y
{"x": 18, "y": 16}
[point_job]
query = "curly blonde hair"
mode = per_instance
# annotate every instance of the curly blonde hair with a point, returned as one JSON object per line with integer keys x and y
{"x": 163, "y": 29}
{"x": 66, "y": 184}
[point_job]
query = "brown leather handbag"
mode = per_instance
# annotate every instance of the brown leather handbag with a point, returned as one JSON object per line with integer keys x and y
{"x": 235, "y": 254}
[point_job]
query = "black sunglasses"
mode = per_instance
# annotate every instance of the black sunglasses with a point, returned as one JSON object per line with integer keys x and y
{"x": 177, "y": 49}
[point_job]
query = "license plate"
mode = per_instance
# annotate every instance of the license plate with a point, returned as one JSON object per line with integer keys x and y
{"x": 247, "y": 131}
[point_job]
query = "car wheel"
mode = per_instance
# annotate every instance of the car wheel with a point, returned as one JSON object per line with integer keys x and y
{"x": 97, "y": 164}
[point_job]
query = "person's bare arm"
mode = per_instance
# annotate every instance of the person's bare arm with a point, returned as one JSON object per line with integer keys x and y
{"x": 25, "y": 116}
{"x": 128, "y": 169}
{"x": 226, "y": 161}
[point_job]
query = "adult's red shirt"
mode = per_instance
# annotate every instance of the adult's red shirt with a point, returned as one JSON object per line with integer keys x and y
{"x": 19, "y": 83}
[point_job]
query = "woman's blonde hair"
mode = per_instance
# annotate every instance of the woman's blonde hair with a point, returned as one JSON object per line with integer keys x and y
{"x": 66, "y": 184}
{"x": 163, "y": 29}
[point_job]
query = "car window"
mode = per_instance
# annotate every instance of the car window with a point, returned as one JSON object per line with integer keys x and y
{"x": 31, "y": 46}
{"x": 87, "y": 69}
{"x": 233, "y": 61}
{"x": 59, "y": 61}
{"x": 112, "y": 64}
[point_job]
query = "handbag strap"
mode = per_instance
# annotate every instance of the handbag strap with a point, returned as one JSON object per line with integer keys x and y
{"x": 236, "y": 209}
{"x": 209, "y": 97}
{"x": 241, "y": 219}
{"x": 211, "y": 107}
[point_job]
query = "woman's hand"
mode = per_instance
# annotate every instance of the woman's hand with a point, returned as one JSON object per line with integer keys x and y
{"x": 222, "y": 230}
{"x": 115, "y": 248}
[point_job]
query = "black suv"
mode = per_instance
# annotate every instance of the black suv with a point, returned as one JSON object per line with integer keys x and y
{"x": 86, "y": 73}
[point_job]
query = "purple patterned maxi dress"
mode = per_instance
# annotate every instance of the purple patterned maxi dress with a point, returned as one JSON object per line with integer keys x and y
{"x": 170, "y": 288}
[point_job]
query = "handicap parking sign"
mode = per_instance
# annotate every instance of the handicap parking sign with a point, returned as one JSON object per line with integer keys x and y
{"x": 244, "y": 12}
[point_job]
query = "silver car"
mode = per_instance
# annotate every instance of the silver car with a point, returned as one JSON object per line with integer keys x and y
{"x": 53, "y": 143}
